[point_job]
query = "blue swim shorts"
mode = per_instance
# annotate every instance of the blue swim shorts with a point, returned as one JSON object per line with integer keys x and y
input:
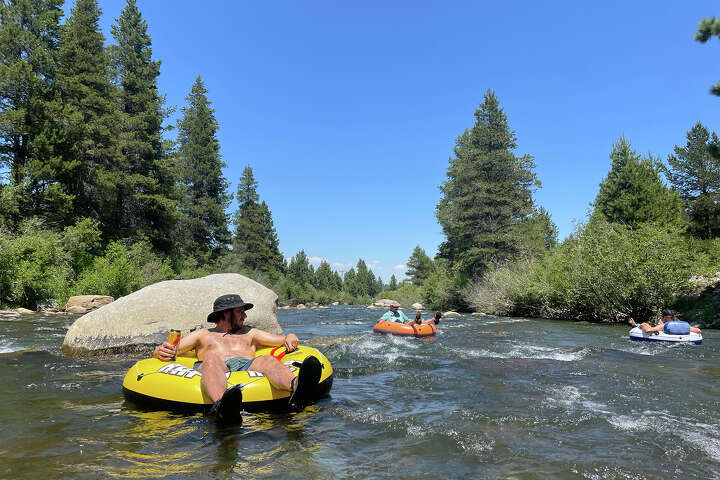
{"x": 235, "y": 364}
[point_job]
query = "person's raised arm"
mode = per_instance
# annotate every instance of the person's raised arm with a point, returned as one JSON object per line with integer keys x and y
{"x": 266, "y": 339}
{"x": 166, "y": 351}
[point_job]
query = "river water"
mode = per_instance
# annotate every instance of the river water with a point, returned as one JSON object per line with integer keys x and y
{"x": 488, "y": 397}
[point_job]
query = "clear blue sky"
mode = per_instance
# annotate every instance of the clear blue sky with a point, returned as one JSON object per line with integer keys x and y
{"x": 348, "y": 113}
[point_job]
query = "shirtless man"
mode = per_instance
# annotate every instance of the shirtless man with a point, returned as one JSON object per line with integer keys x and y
{"x": 230, "y": 346}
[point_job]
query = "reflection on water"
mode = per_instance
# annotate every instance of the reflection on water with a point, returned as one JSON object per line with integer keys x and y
{"x": 487, "y": 397}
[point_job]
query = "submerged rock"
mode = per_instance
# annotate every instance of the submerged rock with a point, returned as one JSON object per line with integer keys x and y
{"x": 143, "y": 318}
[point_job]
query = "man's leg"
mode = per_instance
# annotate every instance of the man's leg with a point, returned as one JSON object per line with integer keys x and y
{"x": 213, "y": 380}
{"x": 276, "y": 372}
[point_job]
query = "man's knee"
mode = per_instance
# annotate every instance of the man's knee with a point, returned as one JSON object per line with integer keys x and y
{"x": 213, "y": 362}
{"x": 265, "y": 363}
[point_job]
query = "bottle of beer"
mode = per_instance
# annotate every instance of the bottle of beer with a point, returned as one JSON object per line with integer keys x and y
{"x": 174, "y": 340}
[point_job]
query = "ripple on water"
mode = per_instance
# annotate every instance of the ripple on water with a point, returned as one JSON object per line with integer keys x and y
{"x": 702, "y": 436}
{"x": 572, "y": 398}
{"x": 7, "y": 346}
{"x": 468, "y": 442}
{"x": 527, "y": 351}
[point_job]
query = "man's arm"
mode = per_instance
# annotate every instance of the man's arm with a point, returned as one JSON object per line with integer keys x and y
{"x": 649, "y": 329}
{"x": 266, "y": 339}
{"x": 387, "y": 317}
{"x": 165, "y": 351}
{"x": 403, "y": 317}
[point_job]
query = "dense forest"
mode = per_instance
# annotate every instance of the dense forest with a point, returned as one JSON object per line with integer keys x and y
{"x": 95, "y": 197}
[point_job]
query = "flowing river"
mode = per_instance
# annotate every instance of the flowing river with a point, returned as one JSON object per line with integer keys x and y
{"x": 488, "y": 397}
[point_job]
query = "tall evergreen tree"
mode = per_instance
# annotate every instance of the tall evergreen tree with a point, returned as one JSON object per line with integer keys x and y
{"x": 487, "y": 194}
{"x": 90, "y": 164}
{"x": 708, "y": 28}
{"x": 349, "y": 282}
{"x": 633, "y": 192}
{"x": 29, "y": 44}
{"x": 147, "y": 197}
{"x": 695, "y": 173}
{"x": 205, "y": 199}
{"x": 393, "y": 283}
{"x": 255, "y": 240}
{"x": 420, "y": 266}
{"x": 337, "y": 282}
{"x": 364, "y": 279}
{"x": 324, "y": 279}
{"x": 299, "y": 269}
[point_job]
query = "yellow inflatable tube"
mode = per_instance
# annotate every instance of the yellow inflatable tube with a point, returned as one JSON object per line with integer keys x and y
{"x": 175, "y": 385}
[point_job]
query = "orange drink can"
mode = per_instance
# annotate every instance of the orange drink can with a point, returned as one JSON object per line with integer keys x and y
{"x": 174, "y": 340}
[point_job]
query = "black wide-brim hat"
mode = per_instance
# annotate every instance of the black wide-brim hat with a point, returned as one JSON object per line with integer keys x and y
{"x": 227, "y": 302}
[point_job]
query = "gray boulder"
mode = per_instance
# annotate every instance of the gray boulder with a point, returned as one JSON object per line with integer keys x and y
{"x": 142, "y": 319}
{"x": 84, "y": 303}
{"x": 416, "y": 306}
{"x": 385, "y": 303}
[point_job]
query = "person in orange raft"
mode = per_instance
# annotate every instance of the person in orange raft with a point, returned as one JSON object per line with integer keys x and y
{"x": 230, "y": 346}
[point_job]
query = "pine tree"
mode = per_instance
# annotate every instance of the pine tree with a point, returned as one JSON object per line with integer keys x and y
{"x": 255, "y": 240}
{"x": 708, "y": 28}
{"x": 349, "y": 282}
{"x": 633, "y": 192}
{"x": 486, "y": 196}
{"x": 147, "y": 196}
{"x": 29, "y": 44}
{"x": 695, "y": 173}
{"x": 89, "y": 164}
{"x": 299, "y": 269}
{"x": 393, "y": 283}
{"x": 420, "y": 266}
{"x": 337, "y": 282}
{"x": 204, "y": 227}
{"x": 324, "y": 279}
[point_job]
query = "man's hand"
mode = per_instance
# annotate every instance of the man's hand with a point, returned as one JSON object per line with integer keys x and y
{"x": 291, "y": 342}
{"x": 164, "y": 351}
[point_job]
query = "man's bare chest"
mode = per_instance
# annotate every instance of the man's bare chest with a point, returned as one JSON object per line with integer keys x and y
{"x": 228, "y": 342}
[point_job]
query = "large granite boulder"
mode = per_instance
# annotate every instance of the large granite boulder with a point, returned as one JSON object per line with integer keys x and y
{"x": 142, "y": 319}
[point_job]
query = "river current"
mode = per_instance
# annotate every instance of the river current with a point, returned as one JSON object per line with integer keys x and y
{"x": 488, "y": 397}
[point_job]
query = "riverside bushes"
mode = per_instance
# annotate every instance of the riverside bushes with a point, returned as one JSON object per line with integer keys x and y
{"x": 38, "y": 264}
{"x": 602, "y": 272}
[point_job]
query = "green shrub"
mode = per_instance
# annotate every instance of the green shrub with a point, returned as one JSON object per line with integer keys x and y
{"x": 81, "y": 242}
{"x": 33, "y": 267}
{"x": 114, "y": 274}
{"x": 441, "y": 290}
{"x": 406, "y": 294}
{"x": 603, "y": 272}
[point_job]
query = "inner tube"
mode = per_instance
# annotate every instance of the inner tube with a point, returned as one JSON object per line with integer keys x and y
{"x": 405, "y": 329}
{"x": 175, "y": 385}
{"x": 638, "y": 334}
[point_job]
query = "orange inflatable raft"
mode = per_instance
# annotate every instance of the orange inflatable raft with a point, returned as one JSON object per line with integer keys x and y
{"x": 405, "y": 329}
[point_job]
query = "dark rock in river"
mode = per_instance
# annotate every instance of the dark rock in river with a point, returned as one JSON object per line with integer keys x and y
{"x": 143, "y": 318}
